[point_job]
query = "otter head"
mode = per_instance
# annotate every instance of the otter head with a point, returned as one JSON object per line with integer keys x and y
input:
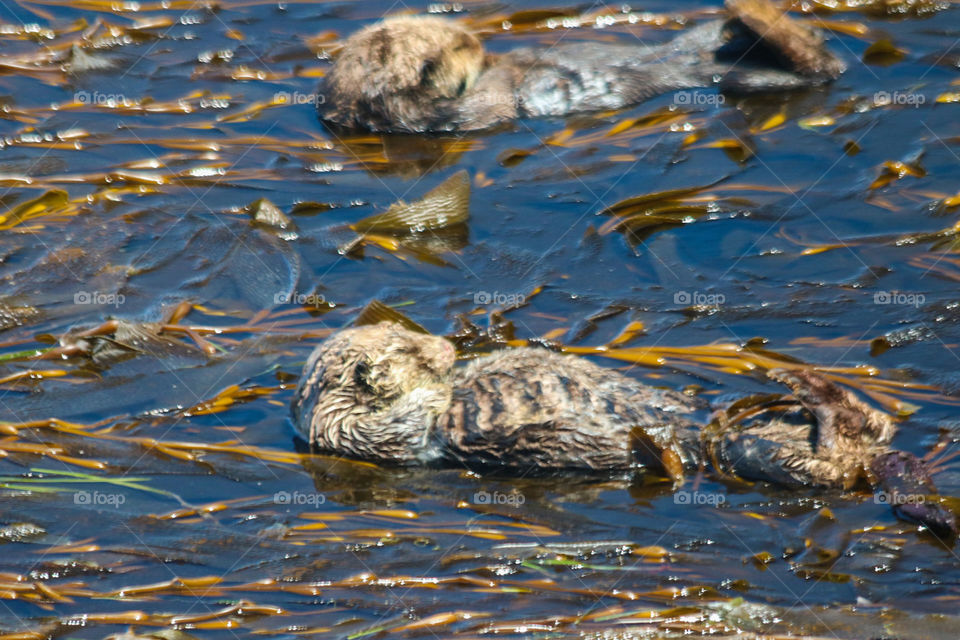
{"x": 395, "y": 75}
{"x": 364, "y": 390}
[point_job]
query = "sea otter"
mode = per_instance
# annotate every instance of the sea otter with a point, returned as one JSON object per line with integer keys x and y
{"x": 430, "y": 74}
{"x": 388, "y": 394}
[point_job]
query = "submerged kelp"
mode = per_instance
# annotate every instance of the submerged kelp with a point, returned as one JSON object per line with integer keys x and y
{"x": 179, "y": 231}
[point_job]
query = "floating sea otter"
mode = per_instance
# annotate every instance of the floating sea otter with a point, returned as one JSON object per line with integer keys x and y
{"x": 385, "y": 393}
{"x": 427, "y": 73}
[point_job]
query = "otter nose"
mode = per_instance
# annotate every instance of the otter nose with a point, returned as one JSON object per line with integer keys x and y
{"x": 448, "y": 353}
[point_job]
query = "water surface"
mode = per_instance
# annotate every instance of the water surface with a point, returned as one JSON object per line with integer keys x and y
{"x": 817, "y": 226}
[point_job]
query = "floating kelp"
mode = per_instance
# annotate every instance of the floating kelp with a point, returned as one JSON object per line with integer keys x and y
{"x": 892, "y": 171}
{"x": 444, "y": 206}
{"x": 264, "y": 212}
{"x": 434, "y": 224}
{"x": 640, "y": 216}
{"x": 184, "y": 362}
{"x": 407, "y": 157}
{"x": 117, "y": 339}
{"x": 376, "y": 312}
{"x": 33, "y": 214}
{"x": 209, "y": 110}
{"x": 160, "y": 339}
{"x": 15, "y": 315}
{"x": 554, "y": 19}
{"x": 883, "y": 52}
{"x": 881, "y": 7}
{"x": 187, "y": 451}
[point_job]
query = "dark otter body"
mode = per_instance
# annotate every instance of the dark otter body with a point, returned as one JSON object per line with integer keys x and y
{"x": 385, "y": 393}
{"x": 416, "y": 74}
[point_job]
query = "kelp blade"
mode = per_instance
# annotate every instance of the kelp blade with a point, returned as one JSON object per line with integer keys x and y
{"x": 444, "y": 206}
{"x": 376, "y": 312}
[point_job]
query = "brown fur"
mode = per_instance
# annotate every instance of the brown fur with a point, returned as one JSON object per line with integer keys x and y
{"x": 395, "y": 73}
{"x": 798, "y": 46}
{"x": 374, "y": 393}
{"x": 849, "y": 433}
{"x": 387, "y": 393}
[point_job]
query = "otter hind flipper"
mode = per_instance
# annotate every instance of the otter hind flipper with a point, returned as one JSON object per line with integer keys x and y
{"x": 841, "y": 415}
{"x": 795, "y": 45}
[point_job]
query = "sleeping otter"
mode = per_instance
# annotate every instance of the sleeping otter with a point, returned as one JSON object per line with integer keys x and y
{"x": 426, "y": 73}
{"x": 385, "y": 393}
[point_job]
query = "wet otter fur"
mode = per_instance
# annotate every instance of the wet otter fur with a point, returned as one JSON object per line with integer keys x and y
{"x": 393, "y": 71}
{"x": 385, "y": 393}
{"x": 427, "y": 73}
{"x": 836, "y": 450}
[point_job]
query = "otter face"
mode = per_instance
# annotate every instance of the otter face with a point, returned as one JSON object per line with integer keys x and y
{"x": 392, "y": 361}
{"x": 391, "y": 74}
{"x": 371, "y": 392}
{"x": 365, "y": 369}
